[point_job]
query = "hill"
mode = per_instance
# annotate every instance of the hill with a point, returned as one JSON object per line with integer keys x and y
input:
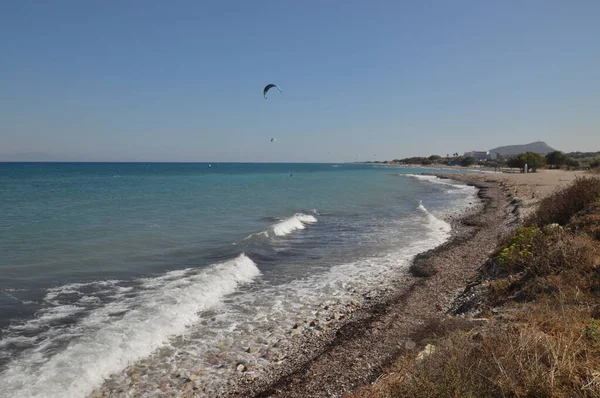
{"x": 538, "y": 147}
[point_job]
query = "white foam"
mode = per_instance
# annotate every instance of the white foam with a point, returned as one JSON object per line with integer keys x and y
{"x": 167, "y": 307}
{"x": 263, "y": 233}
{"x": 54, "y": 293}
{"x": 287, "y": 225}
{"x": 440, "y": 181}
{"x": 17, "y": 340}
{"x": 47, "y": 315}
{"x": 262, "y": 318}
{"x": 440, "y": 229}
{"x": 84, "y": 300}
{"x": 420, "y": 176}
{"x": 291, "y": 224}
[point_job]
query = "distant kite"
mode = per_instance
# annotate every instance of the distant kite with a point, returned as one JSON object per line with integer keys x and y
{"x": 268, "y": 87}
{"x": 273, "y": 140}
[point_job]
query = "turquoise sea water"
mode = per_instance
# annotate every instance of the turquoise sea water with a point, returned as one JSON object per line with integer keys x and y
{"x": 102, "y": 264}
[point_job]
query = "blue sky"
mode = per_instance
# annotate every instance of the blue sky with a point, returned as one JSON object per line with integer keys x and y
{"x": 182, "y": 81}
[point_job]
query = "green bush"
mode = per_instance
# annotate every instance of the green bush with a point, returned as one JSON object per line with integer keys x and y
{"x": 518, "y": 250}
{"x": 572, "y": 164}
{"x": 556, "y": 159}
{"x": 467, "y": 161}
{"x": 533, "y": 160}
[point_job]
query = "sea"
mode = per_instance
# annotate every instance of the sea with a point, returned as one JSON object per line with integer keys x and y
{"x": 193, "y": 267}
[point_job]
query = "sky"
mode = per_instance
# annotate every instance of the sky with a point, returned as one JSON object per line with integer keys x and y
{"x": 361, "y": 80}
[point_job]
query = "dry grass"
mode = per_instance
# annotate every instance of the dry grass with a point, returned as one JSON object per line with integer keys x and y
{"x": 588, "y": 221}
{"x": 498, "y": 362}
{"x": 552, "y": 350}
{"x": 556, "y": 262}
{"x": 543, "y": 334}
{"x": 565, "y": 203}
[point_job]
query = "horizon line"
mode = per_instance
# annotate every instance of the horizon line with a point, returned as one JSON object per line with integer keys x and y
{"x": 162, "y": 162}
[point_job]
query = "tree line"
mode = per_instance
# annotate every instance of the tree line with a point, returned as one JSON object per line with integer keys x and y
{"x": 534, "y": 161}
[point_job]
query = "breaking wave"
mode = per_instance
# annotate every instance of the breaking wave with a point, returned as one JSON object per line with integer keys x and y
{"x": 110, "y": 337}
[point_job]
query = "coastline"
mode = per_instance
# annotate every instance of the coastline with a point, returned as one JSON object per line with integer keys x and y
{"x": 349, "y": 345}
{"x": 367, "y": 339}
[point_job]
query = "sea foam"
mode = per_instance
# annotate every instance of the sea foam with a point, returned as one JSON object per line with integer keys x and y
{"x": 440, "y": 229}
{"x": 291, "y": 224}
{"x": 439, "y": 181}
{"x": 166, "y": 306}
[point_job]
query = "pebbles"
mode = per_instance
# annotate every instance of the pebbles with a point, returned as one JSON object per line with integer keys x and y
{"x": 256, "y": 360}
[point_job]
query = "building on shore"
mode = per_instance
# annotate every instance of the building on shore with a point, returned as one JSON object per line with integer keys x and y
{"x": 482, "y": 155}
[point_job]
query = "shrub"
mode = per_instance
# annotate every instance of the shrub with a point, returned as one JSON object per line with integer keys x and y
{"x": 588, "y": 221}
{"x": 531, "y": 260}
{"x": 467, "y": 161}
{"x": 572, "y": 164}
{"x": 533, "y": 161}
{"x": 518, "y": 251}
{"x": 565, "y": 203}
{"x": 556, "y": 159}
{"x": 500, "y": 361}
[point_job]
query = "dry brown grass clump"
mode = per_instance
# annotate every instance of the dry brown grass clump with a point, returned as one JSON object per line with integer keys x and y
{"x": 549, "y": 348}
{"x": 588, "y": 221}
{"x": 544, "y": 262}
{"x": 504, "y": 359}
{"x": 542, "y": 338}
{"x": 563, "y": 204}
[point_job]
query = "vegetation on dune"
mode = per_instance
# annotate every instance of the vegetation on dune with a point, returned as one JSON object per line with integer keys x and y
{"x": 464, "y": 161}
{"x": 540, "y": 291}
{"x": 534, "y": 161}
{"x": 563, "y": 204}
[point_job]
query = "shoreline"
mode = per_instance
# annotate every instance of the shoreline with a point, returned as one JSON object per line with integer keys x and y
{"x": 348, "y": 345}
{"x": 370, "y": 337}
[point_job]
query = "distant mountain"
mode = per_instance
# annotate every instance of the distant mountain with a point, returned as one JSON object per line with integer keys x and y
{"x": 538, "y": 147}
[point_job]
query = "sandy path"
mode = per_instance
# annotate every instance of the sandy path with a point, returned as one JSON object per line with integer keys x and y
{"x": 530, "y": 188}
